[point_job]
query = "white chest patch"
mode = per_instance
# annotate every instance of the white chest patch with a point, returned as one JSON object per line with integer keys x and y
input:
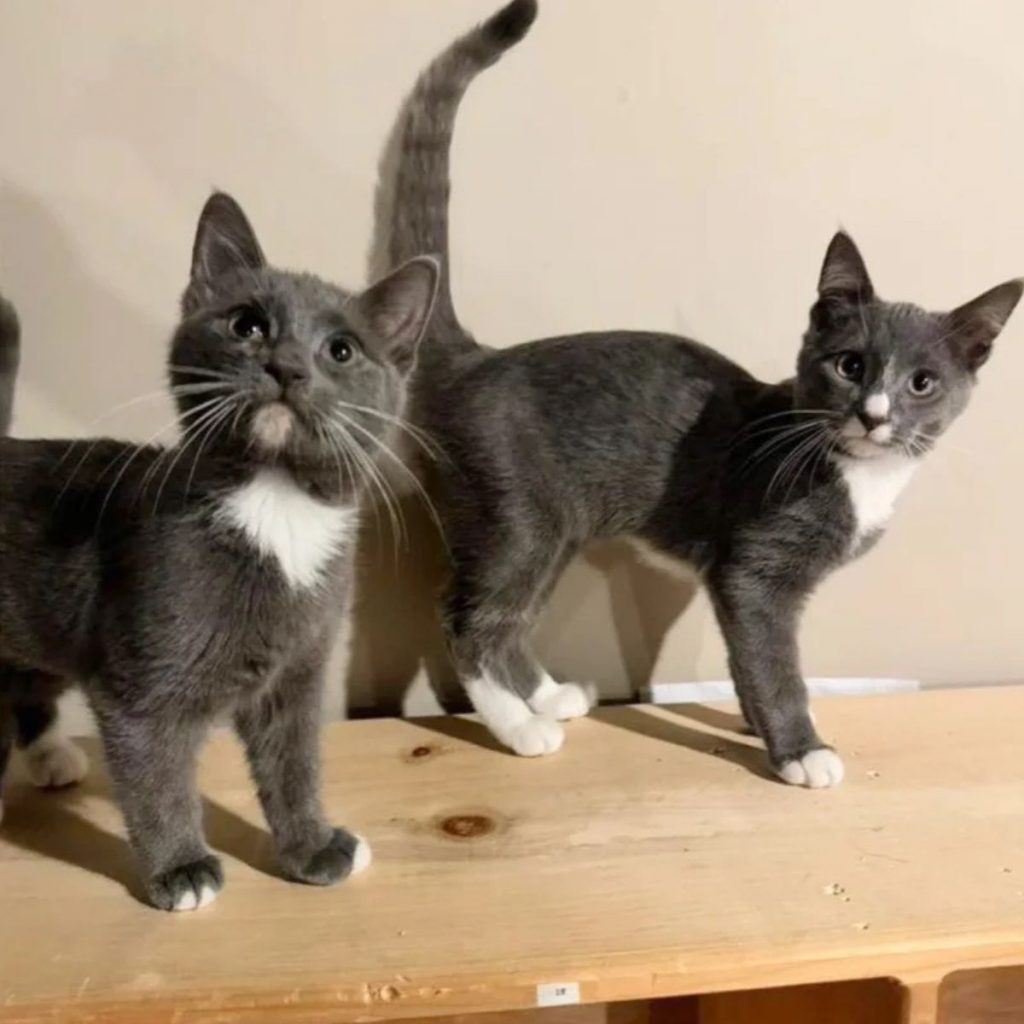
{"x": 285, "y": 523}
{"x": 873, "y": 486}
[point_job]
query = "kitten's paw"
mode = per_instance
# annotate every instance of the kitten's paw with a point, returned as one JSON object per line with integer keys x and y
{"x": 535, "y": 737}
{"x": 54, "y": 762}
{"x": 344, "y": 854}
{"x": 563, "y": 701}
{"x": 817, "y": 769}
{"x": 187, "y": 887}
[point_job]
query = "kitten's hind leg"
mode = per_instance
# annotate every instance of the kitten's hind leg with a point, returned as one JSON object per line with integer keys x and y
{"x": 499, "y": 583}
{"x": 51, "y": 759}
{"x": 562, "y": 701}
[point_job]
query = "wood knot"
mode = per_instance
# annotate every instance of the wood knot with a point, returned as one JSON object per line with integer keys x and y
{"x": 422, "y": 753}
{"x": 467, "y": 826}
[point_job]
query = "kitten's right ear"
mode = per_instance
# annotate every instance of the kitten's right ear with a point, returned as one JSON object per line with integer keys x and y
{"x": 844, "y": 274}
{"x": 225, "y": 241}
{"x": 976, "y": 324}
{"x": 398, "y": 308}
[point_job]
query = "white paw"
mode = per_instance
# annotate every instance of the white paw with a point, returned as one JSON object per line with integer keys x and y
{"x": 817, "y": 769}
{"x": 536, "y": 736}
{"x": 54, "y": 762}
{"x": 188, "y": 900}
{"x": 563, "y": 701}
{"x": 362, "y": 857}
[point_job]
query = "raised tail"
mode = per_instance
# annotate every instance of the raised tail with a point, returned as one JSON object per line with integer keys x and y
{"x": 10, "y": 349}
{"x": 414, "y": 184}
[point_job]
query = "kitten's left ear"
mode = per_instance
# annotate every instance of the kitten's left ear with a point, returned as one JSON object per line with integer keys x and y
{"x": 844, "y": 274}
{"x": 398, "y": 308}
{"x": 225, "y": 241}
{"x": 976, "y": 324}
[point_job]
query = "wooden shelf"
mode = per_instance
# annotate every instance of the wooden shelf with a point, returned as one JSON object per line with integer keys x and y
{"x": 651, "y": 858}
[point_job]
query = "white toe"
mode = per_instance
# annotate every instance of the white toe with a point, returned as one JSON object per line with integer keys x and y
{"x": 536, "y": 736}
{"x": 55, "y": 762}
{"x": 361, "y": 857}
{"x": 817, "y": 769}
{"x": 186, "y": 901}
{"x": 206, "y": 896}
{"x": 189, "y": 901}
{"x": 566, "y": 700}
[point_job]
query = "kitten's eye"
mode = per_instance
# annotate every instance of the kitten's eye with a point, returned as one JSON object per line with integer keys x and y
{"x": 922, "y": 383}
{"x": 249, "y": 324}
{"x": 341, "y": 348}
{"x": 850, "y": 365}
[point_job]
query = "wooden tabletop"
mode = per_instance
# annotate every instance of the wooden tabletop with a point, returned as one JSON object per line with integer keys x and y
{"x": 651, "y": 857}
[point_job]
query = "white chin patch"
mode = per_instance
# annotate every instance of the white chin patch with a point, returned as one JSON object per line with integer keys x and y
{"x": 862, "y": 448}
{"x": 272, "y": 425}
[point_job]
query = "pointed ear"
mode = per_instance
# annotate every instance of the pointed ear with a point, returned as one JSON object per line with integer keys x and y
{"x": 398, "y": 308}
{"x": 225, "y": 241}
{"x": 843, "y": 274}
{"x": 976, "y": 324}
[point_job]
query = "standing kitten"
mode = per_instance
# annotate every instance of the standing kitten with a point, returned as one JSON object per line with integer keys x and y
{"x": 181, "y": 583}
{"x": 764, "y": 488}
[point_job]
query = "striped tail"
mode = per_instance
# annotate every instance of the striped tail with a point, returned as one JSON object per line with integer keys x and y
{"x": 412, "y": 194}
{"x": 10, "y": 348}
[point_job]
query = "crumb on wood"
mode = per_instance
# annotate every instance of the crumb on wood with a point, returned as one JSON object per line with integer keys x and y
{"x": 862, "y": 926}
{"x": 834, "y": 889}
{"x": 874, "y": 774}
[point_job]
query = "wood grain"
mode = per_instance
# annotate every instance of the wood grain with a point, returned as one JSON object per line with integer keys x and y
{"x": 649, "y": 858}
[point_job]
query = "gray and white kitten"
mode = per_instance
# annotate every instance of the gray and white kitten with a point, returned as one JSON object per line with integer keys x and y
{"x": 764, "y": 488}
{"x": 179, "y": 584}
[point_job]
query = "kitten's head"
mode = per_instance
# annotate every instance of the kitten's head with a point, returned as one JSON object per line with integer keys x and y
{"x": 284, "y": 368}
{"x": 890, "y": 376}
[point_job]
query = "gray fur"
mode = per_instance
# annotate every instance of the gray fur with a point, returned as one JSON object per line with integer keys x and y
{"x": 119, "y": 572}
{"x": 550, "y": 444}
{"x": 10, "y": 351}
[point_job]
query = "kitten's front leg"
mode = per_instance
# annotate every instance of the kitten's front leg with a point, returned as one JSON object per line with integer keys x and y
{"x": 152, "y": 759}
{"x": 281, "y": 732}
{"x": 759, "y": 623}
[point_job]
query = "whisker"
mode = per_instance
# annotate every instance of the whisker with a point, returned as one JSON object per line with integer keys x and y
{"x": 420, "y": 490}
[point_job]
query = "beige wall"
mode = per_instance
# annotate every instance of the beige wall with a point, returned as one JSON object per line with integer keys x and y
{"x": 669, "y": 164}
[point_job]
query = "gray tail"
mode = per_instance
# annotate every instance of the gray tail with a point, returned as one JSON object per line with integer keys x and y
{"x": 10, "y": 349}
{"x": 414, "y": 181}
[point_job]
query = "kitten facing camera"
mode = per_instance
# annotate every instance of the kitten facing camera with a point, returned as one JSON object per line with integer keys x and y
{"x": 763, "y": 488}
{"x": 179, "y": 584}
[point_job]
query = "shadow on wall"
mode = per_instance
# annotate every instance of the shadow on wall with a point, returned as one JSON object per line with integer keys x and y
{"x": 74, "y": 330}
{"x": 396, "y": 646}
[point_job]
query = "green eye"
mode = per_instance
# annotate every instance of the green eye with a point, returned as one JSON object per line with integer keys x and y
{"x": 341, "y": 348}
{"x": 249, "y": 324}
{"x": 850, "y": 365}
{"x": 922, "y": 383}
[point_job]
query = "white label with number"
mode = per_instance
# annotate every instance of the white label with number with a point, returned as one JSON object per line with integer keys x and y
{"x": 561, "y": 993}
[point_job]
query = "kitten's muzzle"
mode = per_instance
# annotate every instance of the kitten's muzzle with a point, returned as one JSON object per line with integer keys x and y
{"x": 866, "y": 436}
{"x": 288, "y": 372}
